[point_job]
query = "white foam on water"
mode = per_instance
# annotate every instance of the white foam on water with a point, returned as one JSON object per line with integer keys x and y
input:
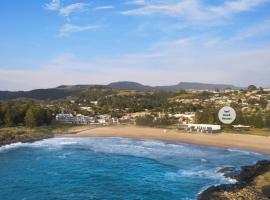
{"x": 49, "y": 143}
{"x": 68, "y": 143}
{"x": 12, "y": 146}
{"x": 162, "y": 152}
{"x": 142, "y": 148}
{"x": 245, "y": 152}
{"x": 199, "y": 173}
{"x": 204, "y": 160}
{"x": 204, "y": 174}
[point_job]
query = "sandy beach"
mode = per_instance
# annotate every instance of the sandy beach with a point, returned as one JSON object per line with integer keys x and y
{"x": 246, "y": 142}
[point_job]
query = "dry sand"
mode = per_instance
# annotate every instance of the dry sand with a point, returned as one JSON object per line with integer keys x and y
{"x": 246, "y": 142}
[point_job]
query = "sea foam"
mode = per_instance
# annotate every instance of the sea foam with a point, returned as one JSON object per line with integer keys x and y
{"x": 177, "y": 168}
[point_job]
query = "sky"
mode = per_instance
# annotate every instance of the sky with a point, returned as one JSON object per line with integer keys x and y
{"x": 47, "y": 43}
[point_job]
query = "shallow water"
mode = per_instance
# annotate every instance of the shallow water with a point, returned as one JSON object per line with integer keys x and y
{"x": 113, "y": 168}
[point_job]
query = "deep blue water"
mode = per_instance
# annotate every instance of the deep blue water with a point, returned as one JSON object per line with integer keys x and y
{"x": 112, "y": 168}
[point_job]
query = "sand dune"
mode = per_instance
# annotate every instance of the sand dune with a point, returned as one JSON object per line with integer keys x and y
{"x": 247, "y": 142}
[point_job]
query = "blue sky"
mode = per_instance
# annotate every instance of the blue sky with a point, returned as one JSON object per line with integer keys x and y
{"x": 45, "y": 43}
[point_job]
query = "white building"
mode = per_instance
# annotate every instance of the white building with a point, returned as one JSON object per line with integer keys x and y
{"x": 184, "y": 118}
{"x": 200, "y": 128}
{"x": 89, "y": 109}
{"x": 64, "y": 118}
{"x": 241, "y": 127}
{"x": 78, "y": 119}
{"x": 81, "y": 119}
{"x": 94, "y": 102}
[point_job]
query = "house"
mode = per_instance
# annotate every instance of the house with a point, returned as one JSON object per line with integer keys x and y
{"x": 104, "y": 119}
{"x": 184, "y": 118}
{"x": 115, "y": 120}
{"x": 241, "y": 127}
{"x": 101, "y": 121}
{"x": 81, "y": 119}
{"x": 200, "y": 128}
{"x": 94, "y": 102}
{"x": 86, "y": 108}
{"x": 70, "y": 119}
{"x": 268, "y": 105}
{"x": 64, "y": 118}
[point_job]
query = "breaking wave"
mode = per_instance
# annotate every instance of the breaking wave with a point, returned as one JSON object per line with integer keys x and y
{"x": 165, "y": 165}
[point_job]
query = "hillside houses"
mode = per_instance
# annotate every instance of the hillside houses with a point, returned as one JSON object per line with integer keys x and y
{"x": 82, "y": 119}
{"x": 69, "y": 118}
{"x": 175, "y": 108}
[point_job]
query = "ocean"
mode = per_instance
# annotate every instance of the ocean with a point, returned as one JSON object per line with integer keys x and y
{"x": 113, "y": 168}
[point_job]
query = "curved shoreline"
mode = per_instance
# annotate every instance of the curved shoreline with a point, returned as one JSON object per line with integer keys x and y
{"x": 246, "y": 143}
{"x": 260, "y": 144}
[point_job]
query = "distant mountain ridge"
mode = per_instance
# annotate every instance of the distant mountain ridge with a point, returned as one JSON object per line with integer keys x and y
{"x": 63, "y": 91}
{"x": 129, "y": 85}
{"x": 181, "y": 85}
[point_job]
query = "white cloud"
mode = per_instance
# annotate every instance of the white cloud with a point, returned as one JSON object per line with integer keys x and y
{"x": 104, "y": 7}
{"x": 71, "y": 28}
{"x": 76, "y": 7}
{"x": 236, "y": 6}
{"x": 192, "y": 9}
{"x": 137, "y": 2}
{"x": 258, "y": 30}
{"x": 167, "y": 63}
{"x": 179, "y": 8}
{"x": 53, "y": 5}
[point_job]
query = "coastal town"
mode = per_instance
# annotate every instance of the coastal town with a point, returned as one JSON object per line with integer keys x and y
{"x": 189, "y": 110}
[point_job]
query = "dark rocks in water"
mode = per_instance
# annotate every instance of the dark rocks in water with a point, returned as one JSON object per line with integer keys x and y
{"x": 228, "y": 172}
{"x": 244, "y": 188}
{"x": 214, "y": 192}
{"x": 248, "y": 173}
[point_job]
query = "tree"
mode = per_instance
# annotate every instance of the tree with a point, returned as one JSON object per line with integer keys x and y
{"x": 263, "y": 103}
{"x": 1, "y": 116}
{"x": 145, "y": 121}
{"x": 19, "y": 110}
{"x": 30, "y": 118}
{"x": 201, "y": 117}
{"x": 8, "y": 119}
{"x": 251, "y": 88}
{"x": 240, "y": 119}
{"x": 258, "y": 121}
{"x": 267, "y": 121}
{"x": 48, "y": 117}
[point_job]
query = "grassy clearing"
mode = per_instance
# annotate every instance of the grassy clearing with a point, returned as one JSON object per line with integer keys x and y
{"x": 262, "y": 181}
{"x": 253, "y": 131}
{"x": 24, "y": 134}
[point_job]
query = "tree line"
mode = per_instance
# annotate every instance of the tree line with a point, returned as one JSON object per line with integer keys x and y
{"x": 152, "y": 121}
{"x": 28, "y": 114}
{"x": 258, "y": 120}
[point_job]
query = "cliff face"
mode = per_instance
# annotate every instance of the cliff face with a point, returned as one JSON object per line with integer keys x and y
{"x": 253, "y": 184}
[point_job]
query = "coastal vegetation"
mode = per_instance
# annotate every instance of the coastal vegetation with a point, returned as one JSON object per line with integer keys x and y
{"x": 160, "y": 108}
{"x": 23, "y": 134}
{"x": 15, "y": 134}
{"x": 24, "y": 113}
{"x": 152, "y": 122}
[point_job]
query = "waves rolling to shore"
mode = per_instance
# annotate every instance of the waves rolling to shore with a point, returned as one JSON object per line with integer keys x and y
{"x": 108, "y": 167}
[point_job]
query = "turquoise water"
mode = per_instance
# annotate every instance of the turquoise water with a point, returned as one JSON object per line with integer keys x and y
{"x": 112, "y": 168}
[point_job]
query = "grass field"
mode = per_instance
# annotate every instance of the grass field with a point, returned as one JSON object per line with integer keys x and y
{"x": 252, "y": 131}
{"x": 23, "y": 134}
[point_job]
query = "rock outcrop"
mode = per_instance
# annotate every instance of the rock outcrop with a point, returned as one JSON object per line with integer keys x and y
{"x": 253, "y": 183}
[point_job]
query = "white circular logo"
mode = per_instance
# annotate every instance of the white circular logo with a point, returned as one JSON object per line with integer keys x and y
{"x": 227, "y": 115}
